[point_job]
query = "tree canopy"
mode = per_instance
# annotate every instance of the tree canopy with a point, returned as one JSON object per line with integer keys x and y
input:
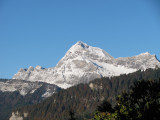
{"x": 142, "y": 103}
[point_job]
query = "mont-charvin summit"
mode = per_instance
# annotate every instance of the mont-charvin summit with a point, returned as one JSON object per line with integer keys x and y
{"x": 83, "y": 63}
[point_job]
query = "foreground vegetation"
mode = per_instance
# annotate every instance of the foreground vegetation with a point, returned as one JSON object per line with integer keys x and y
{"x": 142, "y": 103}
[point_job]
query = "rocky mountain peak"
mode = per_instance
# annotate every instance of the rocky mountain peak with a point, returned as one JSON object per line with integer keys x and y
{"x": 86, "y": 51}
{"x": 78, "y": 47}
{"x": 145, "y": 54}
{"x": 83, "y": 63}
{"x": 30, "y": 68}
{"x": 81, "y": 44}
{"x": 38, "y": 67}
{"x": 21, "y": 70}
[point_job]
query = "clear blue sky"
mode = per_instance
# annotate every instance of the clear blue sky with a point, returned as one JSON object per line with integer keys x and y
{"x": 39, "y": 32}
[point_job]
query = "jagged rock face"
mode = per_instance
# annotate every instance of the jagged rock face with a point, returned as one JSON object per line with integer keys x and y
{"x": 27, "y": 87}
{"x": 83, "y": 63}
{"x": 142, "y": 61}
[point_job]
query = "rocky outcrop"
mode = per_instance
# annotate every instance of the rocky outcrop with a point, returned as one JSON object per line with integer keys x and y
{"x": 16, "y": 116}
{"x": 27, "y": 87}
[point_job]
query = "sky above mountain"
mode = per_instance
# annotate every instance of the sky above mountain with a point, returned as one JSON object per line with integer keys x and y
{"x": 40, "y": 32}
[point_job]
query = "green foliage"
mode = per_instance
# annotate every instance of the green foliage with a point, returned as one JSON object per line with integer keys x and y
{"x": 104, "y": 112}
{"x": 142, "y": 103}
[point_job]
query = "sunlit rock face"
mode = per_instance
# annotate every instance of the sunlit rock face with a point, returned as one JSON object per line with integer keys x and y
{"x": 15, "y": 116}
{"x": 83, "y": 63}
{"x": 27, "y": 87}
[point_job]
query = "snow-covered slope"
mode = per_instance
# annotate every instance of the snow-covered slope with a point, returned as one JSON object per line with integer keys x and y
{"x": 27, "y": 87}
{"x": 83, "y": 63}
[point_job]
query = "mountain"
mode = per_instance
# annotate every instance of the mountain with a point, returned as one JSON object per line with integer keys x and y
{"x": 26, "y": 87}
{"x": 83, "y": 63}
{"x": 18, "y": 93}
{"x": 83, "y": 98}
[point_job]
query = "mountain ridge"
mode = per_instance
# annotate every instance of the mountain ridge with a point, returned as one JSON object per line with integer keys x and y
{"x": 83, "y": 63}
{"x": 27, "y": 87}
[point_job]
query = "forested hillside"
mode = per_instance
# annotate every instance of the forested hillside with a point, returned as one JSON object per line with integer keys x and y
{"x": 12, "y": 100}
{"x": 84, "y": 98}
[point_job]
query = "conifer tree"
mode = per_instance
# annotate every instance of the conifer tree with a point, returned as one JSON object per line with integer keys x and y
{"x": 142, "y": 103}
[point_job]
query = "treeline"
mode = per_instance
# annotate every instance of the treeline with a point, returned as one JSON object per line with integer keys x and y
{"x": 84, "y": 98}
